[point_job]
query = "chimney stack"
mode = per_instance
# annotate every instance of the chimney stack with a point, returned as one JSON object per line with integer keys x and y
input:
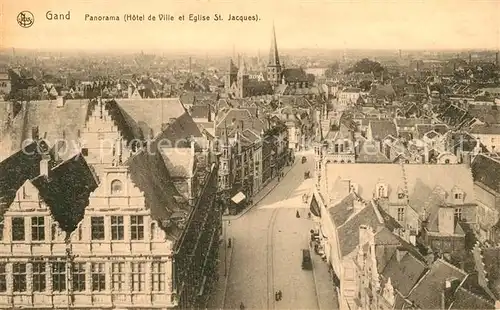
{"x": 44, "y": 165}
{"x": 496, "y": 59}
{"x": 61, "y": 101}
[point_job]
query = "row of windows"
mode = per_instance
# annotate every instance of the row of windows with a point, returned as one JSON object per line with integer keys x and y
{"x": 98, "y": 231}
{"x": 58, "y": 272}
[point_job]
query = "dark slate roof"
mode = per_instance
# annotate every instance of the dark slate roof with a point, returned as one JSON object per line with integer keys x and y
{"x": 53, "y": 122}
{"x": 463, "y": 299}
{"x": 383, "y": 128}
{"x": 341, "y": 211}
{"x": 486, "y": 114}
{"x": 150, "y": 174}
{"x": 404, "y": 271}
{"x": 427, "y": 293}
{"x": 127, "y": 126}
{"x": 349, "y": 232}
{"x": 200, "y": 111}
{"x": 66, "y": 191}
{"x": 486, "y": 129}
{"x": 487, "y": 171}
{"x": 16, "y": 169}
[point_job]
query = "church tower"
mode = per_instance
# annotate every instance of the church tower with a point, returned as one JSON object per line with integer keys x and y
{"x": 242, "y": 79}
{"x": 231, "y": 76}
{"x": 274, "y": 65}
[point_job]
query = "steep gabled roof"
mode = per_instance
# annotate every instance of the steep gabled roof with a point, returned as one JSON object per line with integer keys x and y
{"x": 487, "y": 171}
{"x": 66, "y": 191}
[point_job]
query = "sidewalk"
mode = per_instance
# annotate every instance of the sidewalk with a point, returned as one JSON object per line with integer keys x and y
{"x": 266, "y": 190}
{"x": 218, "y": 298}
{"x": 325, "y": 291}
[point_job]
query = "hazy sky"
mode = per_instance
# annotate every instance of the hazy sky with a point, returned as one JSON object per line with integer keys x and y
{"x": 401, "y": 24}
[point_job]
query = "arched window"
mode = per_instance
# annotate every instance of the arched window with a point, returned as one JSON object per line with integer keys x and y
{"x": 342, "y": 161}
{"x": 381, "y": 191}
{"x": 447, "y": 161}
{"x": 116, "y": 187}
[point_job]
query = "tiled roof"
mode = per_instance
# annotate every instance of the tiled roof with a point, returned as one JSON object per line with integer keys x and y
{"x": 369, "y": 153}
{"x": 463, "y": 299}
{"x": 405, "y": 270}
{"x": 420, "y": 178}
{"x": 67, "y": 191}
{"x": 53, "y": 122}
{"x": 487, "y": 171}
{"x": 150, "y": 174}
{"x": 233, "y": 119}
{"x": 486, "y": 129}
{"x": 411, "y": 122}
{"x": 200, "y": 111}
{"x": 179, "y": 161}
{"x": 152, "y": 113}
{"x": 341, "y": 211}
{"x": 348, "y": 233}
{"x": 485, "y": 114}
{"x": 427, "y": 293}
{"x": 382, "y": 128}
{"x": 15, "y": 170}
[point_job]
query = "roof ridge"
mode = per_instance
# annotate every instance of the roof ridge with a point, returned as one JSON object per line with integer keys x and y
{"x": 460, "y": 287}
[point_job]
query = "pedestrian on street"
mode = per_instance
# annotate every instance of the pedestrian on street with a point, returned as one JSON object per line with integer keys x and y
{"x": 280, "y": 295}
{"x": 242, "y": 306}
{"x": 297, "y": 214}
{"x": 276, "y": 296}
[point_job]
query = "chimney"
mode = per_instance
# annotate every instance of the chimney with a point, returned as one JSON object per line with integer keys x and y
{"x": 470, "y": 58}
{"x": 44, "y": 165}
{"x": 358, "y": 205}
{"x": 34, "y": 133}
{"x": 497, "y": 60}
{"x": 61, "y": 101}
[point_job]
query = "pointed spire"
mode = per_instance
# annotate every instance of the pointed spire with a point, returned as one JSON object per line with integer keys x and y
{"x": 274, "y": 59}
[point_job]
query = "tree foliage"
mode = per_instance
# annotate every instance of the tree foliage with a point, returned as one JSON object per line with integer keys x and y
{"x": 366, "y": 66}
{"x": 332, "y": 69}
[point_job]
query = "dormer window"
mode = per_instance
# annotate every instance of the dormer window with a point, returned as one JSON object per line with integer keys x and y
{"x": 381, "y": 191}
{"x": 458, "y": 195}
{"x": 401, "y": 195}
{"x": 116, "y": 187}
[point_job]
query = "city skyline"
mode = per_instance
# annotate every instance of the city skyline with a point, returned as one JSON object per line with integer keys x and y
{"x": 406, "y": 25}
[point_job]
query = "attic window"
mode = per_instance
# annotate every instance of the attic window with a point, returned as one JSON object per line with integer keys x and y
{"x": 85, "y": 151}
{"x": 116, "y": 187}
{"x": 459, "y": 195}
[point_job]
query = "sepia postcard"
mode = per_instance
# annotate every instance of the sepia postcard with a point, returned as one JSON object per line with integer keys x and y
{"x": 251, "y": 154}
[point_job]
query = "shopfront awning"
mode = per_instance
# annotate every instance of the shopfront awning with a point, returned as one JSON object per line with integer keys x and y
{"x": 314, "y": 206}
{"x": 238, "y": 198}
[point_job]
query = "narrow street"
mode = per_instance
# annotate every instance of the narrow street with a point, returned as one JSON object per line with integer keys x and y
{"x": 267, "y": 252}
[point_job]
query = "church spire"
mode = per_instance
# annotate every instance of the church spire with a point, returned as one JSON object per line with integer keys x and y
{"x": 274, "y": 59}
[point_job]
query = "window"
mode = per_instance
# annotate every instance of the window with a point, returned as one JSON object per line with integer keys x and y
{"x": 79, "y": 277}
{"x": 117, "y": 228}
{"x": 137, "y": 227}
{"x": 3, "y": 277}
{"x": 18, "y": 229}
{"x": 458, "y": 214}
{"x": 116, "y": 187}
{"x": 39, "y": 277}
{"x": 401, "y": 214}
{"x": 118, "y": 276}
{"x": 59, "y": 276}
{"x": 381, "y": 192}
{"x": 138, "y": 277}
{"x": 85, "y": 151}
{"x": 97, "y": 223}
{"x": 1, "y": 231}
{"x": 158, "y": 277}
{"x": 98, "y": 277}
{"x": 19, "y": 277}
{"x": 458, "y": 196}
{"x": 37, "y": 228}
